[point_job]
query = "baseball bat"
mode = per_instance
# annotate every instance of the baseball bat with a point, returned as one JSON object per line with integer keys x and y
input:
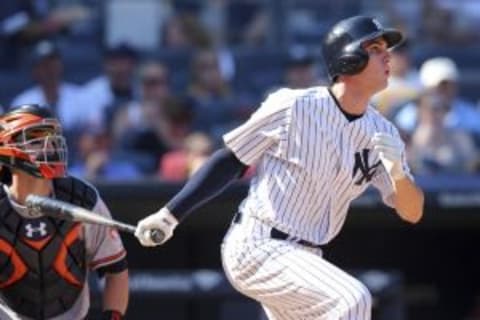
{"x": 66, "y": 211}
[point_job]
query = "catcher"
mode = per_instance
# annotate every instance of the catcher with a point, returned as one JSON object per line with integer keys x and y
{"x": 45, "y": 263}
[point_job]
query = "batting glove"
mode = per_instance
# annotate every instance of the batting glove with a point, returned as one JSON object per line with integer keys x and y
{"x": 162, "y": 220}
{"x": 390, "y": 150}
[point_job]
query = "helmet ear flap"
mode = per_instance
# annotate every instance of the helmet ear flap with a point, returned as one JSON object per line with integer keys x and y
{"x": 352, "y": 62}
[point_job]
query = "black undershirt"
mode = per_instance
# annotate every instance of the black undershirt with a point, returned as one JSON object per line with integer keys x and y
{"x": 350, "y": 117}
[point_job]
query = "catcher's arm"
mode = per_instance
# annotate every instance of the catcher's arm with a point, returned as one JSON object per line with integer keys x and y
{"x": 115, "y": 295}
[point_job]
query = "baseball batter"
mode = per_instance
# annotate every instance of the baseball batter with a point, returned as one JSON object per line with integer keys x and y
{"x": 315, "y": 150}
{"x": 45, "y": 262}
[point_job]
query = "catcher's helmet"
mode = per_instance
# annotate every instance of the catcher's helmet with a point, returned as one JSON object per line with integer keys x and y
{"x": 342, "y": 46}
{"x": 31, "y": 140}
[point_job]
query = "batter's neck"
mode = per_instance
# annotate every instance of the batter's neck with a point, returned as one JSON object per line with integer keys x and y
{"x": 352, "y": 101}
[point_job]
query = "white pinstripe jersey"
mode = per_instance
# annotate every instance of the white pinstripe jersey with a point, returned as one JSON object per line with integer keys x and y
{"x": 311, "y": 162}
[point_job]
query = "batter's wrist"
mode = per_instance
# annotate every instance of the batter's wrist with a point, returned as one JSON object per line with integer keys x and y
{"x": 168, "y": 217}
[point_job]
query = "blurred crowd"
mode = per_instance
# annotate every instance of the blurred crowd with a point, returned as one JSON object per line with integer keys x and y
{"x": 141, "y": 116}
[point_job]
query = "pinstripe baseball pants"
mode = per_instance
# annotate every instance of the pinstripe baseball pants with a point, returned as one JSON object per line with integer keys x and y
{"x": 291, "y": 281}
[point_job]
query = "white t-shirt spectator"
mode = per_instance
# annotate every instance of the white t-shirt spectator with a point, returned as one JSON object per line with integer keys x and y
{"x": 69, "y": 108}
{"x": 98, "y": 95}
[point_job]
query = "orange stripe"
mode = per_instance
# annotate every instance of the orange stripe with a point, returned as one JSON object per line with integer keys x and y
{"x": 37, "y": 244}
{"x": 59, "y": 263}
{"x": 95, "y": 264}
{"x": 12, "y": 152}
{"x": 19, "y": 267}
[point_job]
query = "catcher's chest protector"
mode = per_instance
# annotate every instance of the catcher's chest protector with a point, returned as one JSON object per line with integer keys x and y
{"x": 42, "y": 261}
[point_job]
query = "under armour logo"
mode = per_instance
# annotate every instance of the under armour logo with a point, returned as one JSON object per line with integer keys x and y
{"x": 366, "y": 171}
{"x": 31, "y": 230}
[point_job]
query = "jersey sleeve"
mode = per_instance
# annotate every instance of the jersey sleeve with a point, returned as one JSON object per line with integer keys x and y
{"x": 264, "y": 130}
{"x": 382, "y": 180}
{"x": 104, "y": 245}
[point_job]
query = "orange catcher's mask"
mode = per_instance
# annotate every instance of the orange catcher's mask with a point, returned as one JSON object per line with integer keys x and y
{"x": 31, "y": 140}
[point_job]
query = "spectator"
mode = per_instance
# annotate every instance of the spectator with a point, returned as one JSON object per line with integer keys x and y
{"x": 441, "y": 75}
{"x": 23, "y": 23}
{"x": 164, "y": 128}
{"x": 214, "y": 103}
{"x": 50, "y": 89}
{"x": 115, "y": 87}
{"x": 434, "y": 147}
{"x": 403, "y": 85}
{"x": 428, "y": 20}
{"x": 300, "y": 69}
{"x": 180, "y": 164}
{"x": 153, "y": 125}
{"x": 184, "y": 31}
{"x": 97, "y": 161}
{"x": 404, "y": 15}
{"x": 154, "y": 87}
{"x": 255, "y": 33}
{"x": 213, "y": 16}
{"x": 441, "y": 16}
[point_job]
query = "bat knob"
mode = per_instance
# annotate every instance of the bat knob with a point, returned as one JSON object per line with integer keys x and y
{"x": 157, "y": 236}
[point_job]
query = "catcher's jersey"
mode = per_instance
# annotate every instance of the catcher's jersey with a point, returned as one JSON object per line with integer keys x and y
{"x": 103, "y": 247}
{"x": 311, "y": 161}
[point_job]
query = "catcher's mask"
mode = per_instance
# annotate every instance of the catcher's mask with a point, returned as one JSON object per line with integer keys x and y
{"x": 31, "y": 140}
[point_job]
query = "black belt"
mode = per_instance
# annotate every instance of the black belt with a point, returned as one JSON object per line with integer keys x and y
{"x": 280, "y": 235}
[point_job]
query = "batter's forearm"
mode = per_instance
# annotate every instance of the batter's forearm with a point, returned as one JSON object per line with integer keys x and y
{"x": 409, "y": 200}
{"x": 115, "y": 294}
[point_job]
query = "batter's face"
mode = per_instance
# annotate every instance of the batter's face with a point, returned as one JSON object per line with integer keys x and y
{"x": 378, "y": 68}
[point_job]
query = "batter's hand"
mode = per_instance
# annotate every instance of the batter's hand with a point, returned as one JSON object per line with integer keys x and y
{"x": 162, "y": 220}
{"x": 390, "y": 151}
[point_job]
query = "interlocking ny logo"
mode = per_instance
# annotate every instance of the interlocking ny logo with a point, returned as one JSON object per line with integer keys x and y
{"x": 361, "y": 163}
{"x": 32, "y": 230}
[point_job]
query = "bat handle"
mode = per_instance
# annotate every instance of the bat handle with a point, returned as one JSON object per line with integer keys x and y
{"x": 157, "y": 236}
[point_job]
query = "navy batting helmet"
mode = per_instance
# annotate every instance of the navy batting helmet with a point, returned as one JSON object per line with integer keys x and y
{"x": 342, "y": 46}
